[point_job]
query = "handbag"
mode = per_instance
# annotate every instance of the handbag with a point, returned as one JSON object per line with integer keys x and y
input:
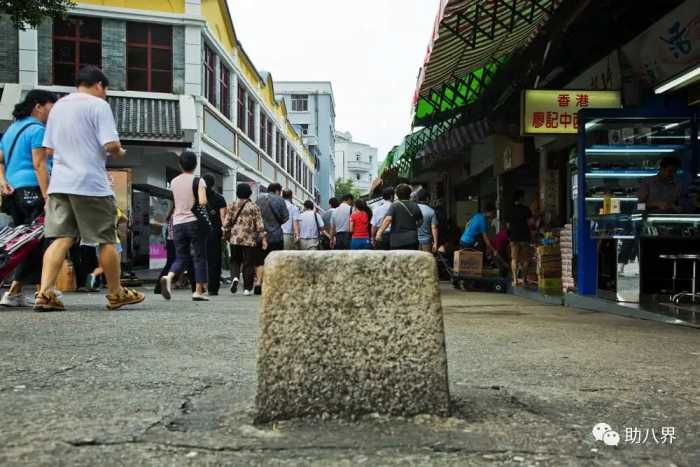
{"x": 324, "y": 243}
{"x": 402, "y": 239}
{"x": 200, "y": 211}
{"x": 9, "y": 201}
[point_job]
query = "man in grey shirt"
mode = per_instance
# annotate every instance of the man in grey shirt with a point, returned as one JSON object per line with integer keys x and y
{"x": 664, "y": 192}
{"x": 340, "y": 224}
{"x": 274, "y": 214}
{"x": 428, "y": 230}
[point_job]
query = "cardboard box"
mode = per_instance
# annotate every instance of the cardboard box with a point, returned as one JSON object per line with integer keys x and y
{"x": 469, "y": 262}
{"x": 549, "y": 269}
{"x": 549, "y": 250}
{"x": 550, "y": 286}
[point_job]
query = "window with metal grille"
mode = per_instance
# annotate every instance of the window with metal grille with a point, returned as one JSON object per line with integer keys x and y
{"x": 241, "y": 107}
{"x": 279, "y": 148}
{"x": 251, "y": 118}
{"x": 263, "y": 129}
{"x": 149, "y": 57}
{"x": 209, "y": 75}
{"x": 224, "y": 91}
{"x": 268, "y": 134}
{"x": 77, "y": 42}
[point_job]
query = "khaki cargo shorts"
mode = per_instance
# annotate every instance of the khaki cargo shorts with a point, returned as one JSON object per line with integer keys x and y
{"x": 92, "y": 218}
{"x": 520, "y": 251}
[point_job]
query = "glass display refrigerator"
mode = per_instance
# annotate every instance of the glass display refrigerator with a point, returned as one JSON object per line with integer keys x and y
{"x": 621, "y": 246}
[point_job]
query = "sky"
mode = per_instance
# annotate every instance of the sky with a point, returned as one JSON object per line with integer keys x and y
{"x": 370, "y": 50}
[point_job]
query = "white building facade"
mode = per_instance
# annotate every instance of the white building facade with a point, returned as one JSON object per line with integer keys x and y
{"x": 311, "y": 109}
{"x": 355, "y": 161}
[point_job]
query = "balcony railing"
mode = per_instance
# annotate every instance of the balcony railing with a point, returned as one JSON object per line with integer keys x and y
{"x": 361, "y": 166}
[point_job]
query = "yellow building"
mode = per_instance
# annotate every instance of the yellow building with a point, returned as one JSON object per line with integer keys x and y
{"x": 179, "y": 78}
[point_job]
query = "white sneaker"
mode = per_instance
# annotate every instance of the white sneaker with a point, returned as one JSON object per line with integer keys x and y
{"x": 166, "y": 287}
{"x": 247, "y": 293}
{"x": 14, "y": 301}
{"x": 199, "y": 297}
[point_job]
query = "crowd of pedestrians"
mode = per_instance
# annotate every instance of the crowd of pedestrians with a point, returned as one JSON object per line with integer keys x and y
{"x": 53, "y": 169}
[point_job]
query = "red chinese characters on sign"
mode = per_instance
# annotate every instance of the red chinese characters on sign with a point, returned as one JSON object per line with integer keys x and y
{"x": 537, "y": 119}
{"x": 581, "y": 100}
{"x": 551, "y": 121}
{"x": 566, "y": 119}
{"x": 564, "y": 100}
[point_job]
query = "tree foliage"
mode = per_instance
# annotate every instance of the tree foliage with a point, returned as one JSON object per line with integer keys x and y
{"x": 31, "y": 13}
{"x": 343, "y": 187}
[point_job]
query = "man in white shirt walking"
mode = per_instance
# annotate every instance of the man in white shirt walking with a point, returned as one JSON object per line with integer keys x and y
{"x": 310, "y": 227}
{"x": 378, "y": 217}
{"x": 290, "y": 229}
{"x": 81, "y": 132}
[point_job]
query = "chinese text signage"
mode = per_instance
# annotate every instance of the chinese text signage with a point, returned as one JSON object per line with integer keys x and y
{"x": 556, "y": 112}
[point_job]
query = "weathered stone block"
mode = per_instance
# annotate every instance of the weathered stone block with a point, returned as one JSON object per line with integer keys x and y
{"x": 349, "y": 333}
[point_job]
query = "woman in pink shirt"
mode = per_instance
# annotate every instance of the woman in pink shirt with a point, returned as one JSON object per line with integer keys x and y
{"x": 186, "y": 232}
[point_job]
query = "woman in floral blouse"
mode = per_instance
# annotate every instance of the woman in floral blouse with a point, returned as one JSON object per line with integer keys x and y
{"x": 245, "y": 230}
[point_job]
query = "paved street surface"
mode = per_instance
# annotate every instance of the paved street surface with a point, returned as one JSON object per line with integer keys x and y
{"x": 174, "y": 384}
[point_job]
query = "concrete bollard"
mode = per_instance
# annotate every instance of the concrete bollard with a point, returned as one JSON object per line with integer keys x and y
{"x": 350, "y": 333}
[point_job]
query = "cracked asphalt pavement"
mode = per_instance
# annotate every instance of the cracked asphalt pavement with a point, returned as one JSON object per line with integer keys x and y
{"x": 173, "y": 383}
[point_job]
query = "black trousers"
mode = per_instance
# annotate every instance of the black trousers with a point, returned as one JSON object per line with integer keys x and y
{"x": 342, "y": 240}
{"x": 170, "y": 249}
{"x": 214, "y": 260}
{"x": 244, "y": 258}
{"x": 29, "y": 271}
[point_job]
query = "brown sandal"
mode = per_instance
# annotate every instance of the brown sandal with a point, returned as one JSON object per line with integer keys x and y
{"x": 123, "y": 298}
{"x": 46, "y": 302}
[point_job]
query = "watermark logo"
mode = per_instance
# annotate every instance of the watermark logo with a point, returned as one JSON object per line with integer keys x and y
{"x": 604, "y": 432}
{"x": 634, "y": 435}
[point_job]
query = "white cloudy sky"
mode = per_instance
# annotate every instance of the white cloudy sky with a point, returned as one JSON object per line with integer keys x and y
{"x": 371, "y": 50}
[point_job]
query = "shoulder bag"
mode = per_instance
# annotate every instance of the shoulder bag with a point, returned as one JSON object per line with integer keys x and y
{"x": 200, "y": 211}
{"x": 227, "y": 233}
{"x": 27, "y": 198}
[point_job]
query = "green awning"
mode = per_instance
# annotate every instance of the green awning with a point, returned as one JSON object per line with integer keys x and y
{"x": 472, "y": 39}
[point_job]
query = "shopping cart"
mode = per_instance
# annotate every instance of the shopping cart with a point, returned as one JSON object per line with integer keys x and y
{"x": 16, "y": 243}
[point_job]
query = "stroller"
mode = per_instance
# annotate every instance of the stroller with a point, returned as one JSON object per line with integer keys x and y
{"x": 16, "y": 243}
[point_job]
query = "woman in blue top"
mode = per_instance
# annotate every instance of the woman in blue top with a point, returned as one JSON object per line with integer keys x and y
{"x": 24, "y": 180}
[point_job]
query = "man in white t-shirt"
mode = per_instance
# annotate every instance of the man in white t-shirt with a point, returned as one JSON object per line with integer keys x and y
{"x": 378, "y": 216}
{"x": 81, "y": 132}
{"x": 310, "y": 227}
{"x": 290, "y": 229}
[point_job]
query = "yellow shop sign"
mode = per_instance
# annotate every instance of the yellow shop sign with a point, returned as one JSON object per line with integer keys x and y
{"x": 547, "y": 111}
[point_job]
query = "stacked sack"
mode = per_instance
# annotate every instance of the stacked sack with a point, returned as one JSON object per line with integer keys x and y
{"x": 566, "y": 243}
{"x": 549, "y": 269}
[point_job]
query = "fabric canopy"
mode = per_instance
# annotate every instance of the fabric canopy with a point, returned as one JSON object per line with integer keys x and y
{"x": 471, "y": 39}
